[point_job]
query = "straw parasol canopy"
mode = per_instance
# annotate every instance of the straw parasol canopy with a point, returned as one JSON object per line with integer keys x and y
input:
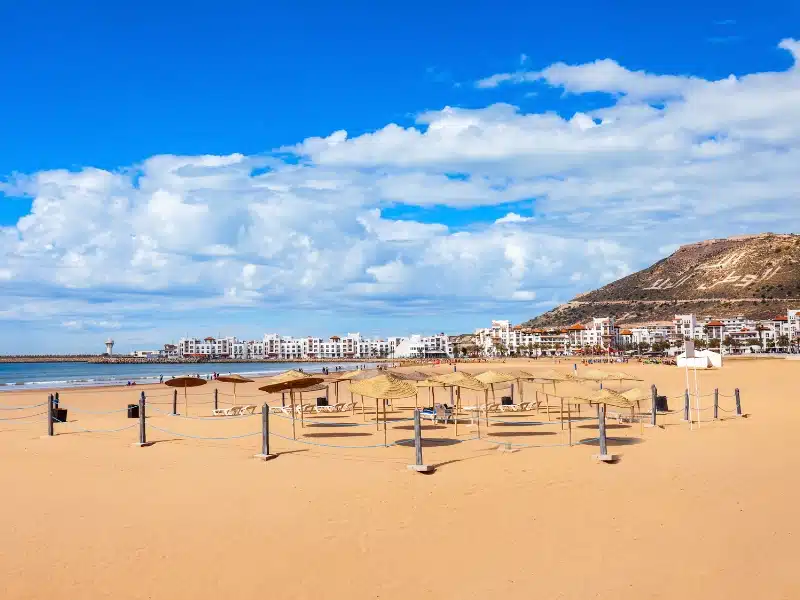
{"x": 620, "y": 376}
{"x": 185, "y": 382}
{"x": 387, "y": 387}
{"x": 605, "y": 396}
{"x": 289, "y": 380}
{"x": 636, "y": 395}
{"x": 384, "y": 387}
{"x": 594, "y": 375}
{"x": 493, "y": 377}
{"x": 411, "y": 375}
{"x": 462, "y": 380}
{"x": 234, "y": 379}
{"x": 317, "y": 387}
{"x": 553, "y": 375}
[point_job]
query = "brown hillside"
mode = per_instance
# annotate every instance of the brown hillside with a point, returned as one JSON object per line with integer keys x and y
{"x": 757, "y": 276}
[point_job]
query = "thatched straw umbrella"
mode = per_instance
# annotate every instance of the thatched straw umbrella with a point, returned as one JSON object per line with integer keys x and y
{"x": 234, "y": 379}
{"x": 317, "y": 387}
{"x": 291, "y": 380}
{"x": 185, "y": 382}
{"x": 491, "y": 378}
{"x": 521, "y": 376}
{"x": 384, "y": 387}
{"x": 431, "y": 385}
{"x": 551, "y": 376}
{"x": 354, "y": 375}
{"x": 606, "y": 397}
{"x": 620, "y": 377}
{"x": 458, "y": 380}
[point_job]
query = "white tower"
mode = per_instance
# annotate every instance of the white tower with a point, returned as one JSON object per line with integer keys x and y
{"x": 109, "y": 346}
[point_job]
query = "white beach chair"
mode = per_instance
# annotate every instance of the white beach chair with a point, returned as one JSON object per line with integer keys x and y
{"x": 231, "y": 411}
{"x": 347, "y": 406}
{"x": 249, "y": 409}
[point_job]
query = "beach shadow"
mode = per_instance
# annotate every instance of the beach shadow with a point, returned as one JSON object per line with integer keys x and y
{"x": 333, "y": 435}
{"x": 614, "y": 441}
{"x": 423, "y": 427}
{"x": 429, "y": 443}
{"x": 608, "y": 426}
{"x": 332, "y": 424}
{"x": 520, "y": 433}
{"x": 521, "y": 423}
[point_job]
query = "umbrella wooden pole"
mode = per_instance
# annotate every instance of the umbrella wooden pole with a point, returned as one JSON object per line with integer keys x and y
{"x": 547, "y": 404}
{"x": 485, "y": 407}
{"x": 291, "y": 399}
{"x": 185, "y": 402}
{"x": 569, "y": 422}
{"x": 336, "y": 391}
{"x": 234, "y": 394}
{"x": 363, "y": 412}
{"x": 561, "y": 414}
{"x": 384, "y": 423}
{"x": 455, "y": 409}
{"x": 377, "y": 420}
{"x": 302, "y": 412}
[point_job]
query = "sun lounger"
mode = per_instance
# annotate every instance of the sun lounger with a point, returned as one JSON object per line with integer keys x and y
{"x": 286, "y": 410}
{"x": 347, "y": 406}
{"x": 249, "y": 409}
{"x": 226, "y": 412}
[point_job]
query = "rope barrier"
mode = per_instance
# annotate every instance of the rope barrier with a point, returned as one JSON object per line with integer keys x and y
{"x": 94, "y": 412}
{"x": 200, "y": 437}
{"x": 370, "y": 424}
{"x": 330, "y": 445}
{"x": 23, "y": 407}
{"x": 23, "y": 417}
{"x": 83, "y": 430}
{"x": 209, "y": 418}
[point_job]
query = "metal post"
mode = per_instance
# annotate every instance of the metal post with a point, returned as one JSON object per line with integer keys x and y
{"x": 654, "y": 401}
{"x": 142, "y": 432}
{"x": 418, "y": 465}
{"x": 175, "y": 402}
{"x": 716, "y": 403}
{"x": 738, "y": 402}
{"x": 50, "y": 415}
{"x": 512, "y": 394}
{"x": 601, "y": 412}
{"x": 265, "y": 455}
{"x": 686, "y": 406}
{"x": 417, "y": 437}
{"x": 216, "y": 398}
{"x": 264, "y": 429}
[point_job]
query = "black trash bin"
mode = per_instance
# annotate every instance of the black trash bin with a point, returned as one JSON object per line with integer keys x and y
{"x": 60, "y": 415}
{"x": 322, "y": 401}
{"x": 661, "y": 404}
{"x": 133, "y": 411}
{"x": 506, "y": 400}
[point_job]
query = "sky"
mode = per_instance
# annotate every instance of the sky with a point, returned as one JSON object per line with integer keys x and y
{"x": 311, "y": 168}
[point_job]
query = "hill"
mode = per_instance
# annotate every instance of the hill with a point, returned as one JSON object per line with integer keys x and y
{"x": 757, "y": 276}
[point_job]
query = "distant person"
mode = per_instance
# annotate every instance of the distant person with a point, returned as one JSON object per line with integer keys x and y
{"x": 160, "y": 379}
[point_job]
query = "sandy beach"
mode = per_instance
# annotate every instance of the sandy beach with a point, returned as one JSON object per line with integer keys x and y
{"x": 700, "y": 513}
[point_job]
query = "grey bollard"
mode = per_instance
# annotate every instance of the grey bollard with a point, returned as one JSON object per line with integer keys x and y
{"x": 417, "y": 437}
{"x": 265, "y": 429}
{"x": 174, "y": 402}
{"x": 418, "y": 465}
{"x": 654, "y": 400}
{"x": 686, "y": 406}
{"x": 142, "y": 433}
{"x": 265, "y": 455}
{"x": 216, "y": 398}
{"x": 716, "y": 403}
{"x": 601, "y": 412}
{"x": 50, "y": 415}
{"x": 738, "y": 402}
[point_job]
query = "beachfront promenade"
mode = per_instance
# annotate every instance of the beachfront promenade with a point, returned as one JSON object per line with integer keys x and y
{"x": 318, "y": 513}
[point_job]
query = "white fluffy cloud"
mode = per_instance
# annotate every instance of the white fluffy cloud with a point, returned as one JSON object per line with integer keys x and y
{"x": 594, "y": 195}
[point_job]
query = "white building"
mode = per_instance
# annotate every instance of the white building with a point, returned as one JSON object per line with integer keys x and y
{"x": 504, "y": 338}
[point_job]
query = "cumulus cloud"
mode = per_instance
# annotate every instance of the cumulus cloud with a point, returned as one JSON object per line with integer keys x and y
{"x": 672, "y": 159}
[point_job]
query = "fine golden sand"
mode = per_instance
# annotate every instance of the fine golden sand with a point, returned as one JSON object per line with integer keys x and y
{"x": 709, "y": 513}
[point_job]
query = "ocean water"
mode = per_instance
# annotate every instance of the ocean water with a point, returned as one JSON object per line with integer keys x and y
{"x": 17, "y": 376}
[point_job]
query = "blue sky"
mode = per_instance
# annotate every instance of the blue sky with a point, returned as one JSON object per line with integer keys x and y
{"x": 464, "y": 189}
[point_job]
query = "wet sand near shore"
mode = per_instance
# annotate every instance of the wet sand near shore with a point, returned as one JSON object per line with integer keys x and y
{"x": 686, "y": 513}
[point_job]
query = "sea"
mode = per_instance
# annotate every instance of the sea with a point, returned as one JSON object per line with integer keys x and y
{"x": 54, "y": 375}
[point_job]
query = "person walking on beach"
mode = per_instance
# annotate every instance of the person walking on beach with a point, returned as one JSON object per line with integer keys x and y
{"x": 160, "y": 379}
